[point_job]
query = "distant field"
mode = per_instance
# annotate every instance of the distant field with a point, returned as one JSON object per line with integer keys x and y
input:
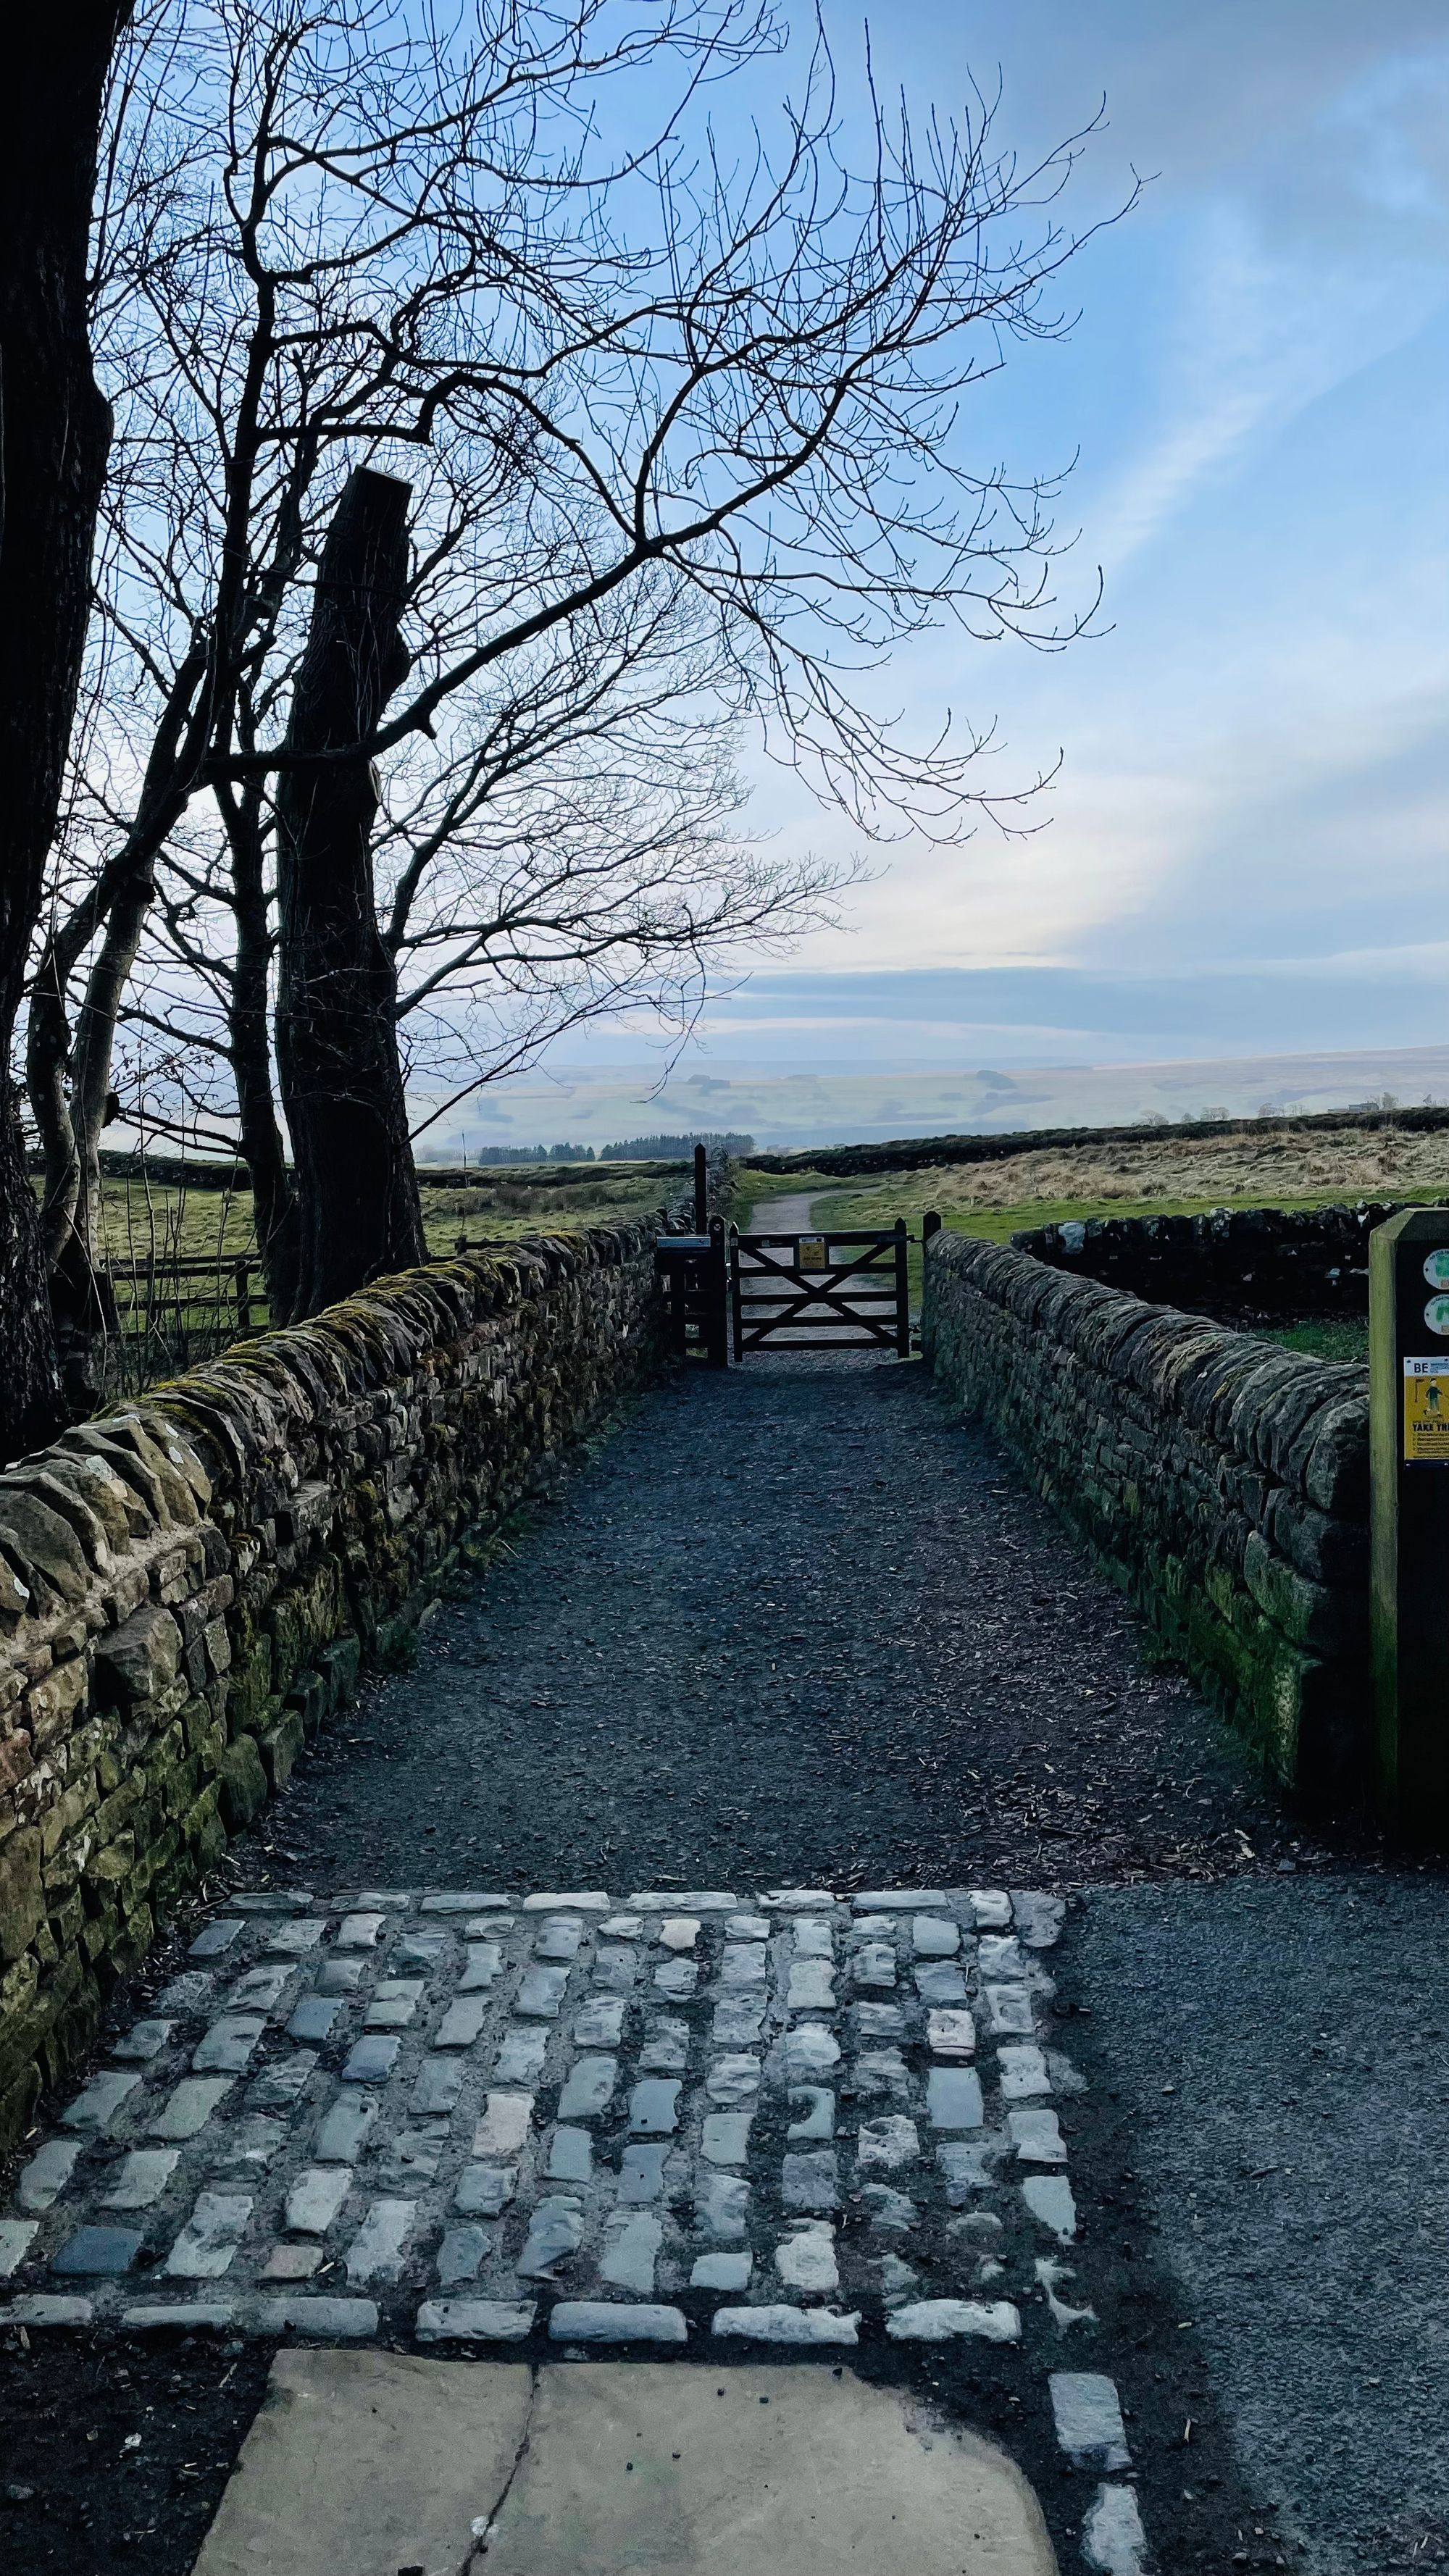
{"x": 1164, "y": 1169}
{"x": 144, "y": 1221}
{"x": 498, "y": 1211}
{"x": 1164, "y": 1175}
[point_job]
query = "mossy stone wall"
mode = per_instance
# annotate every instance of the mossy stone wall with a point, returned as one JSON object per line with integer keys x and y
{"x": 189, "y": 1585}
{"x": 1223, "y": 1482}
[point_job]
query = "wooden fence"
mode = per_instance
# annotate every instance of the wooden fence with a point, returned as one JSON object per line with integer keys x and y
{"x": 163, "y": 1316}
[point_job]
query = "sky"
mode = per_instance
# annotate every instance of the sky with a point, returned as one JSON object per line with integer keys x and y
{"x": 1242, "y": 857}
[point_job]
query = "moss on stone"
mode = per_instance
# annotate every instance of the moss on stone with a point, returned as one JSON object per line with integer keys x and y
{"x": 1220, "y": 1481}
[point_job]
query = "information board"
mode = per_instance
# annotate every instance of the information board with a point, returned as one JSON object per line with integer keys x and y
{"x": 1426, "y": 1411}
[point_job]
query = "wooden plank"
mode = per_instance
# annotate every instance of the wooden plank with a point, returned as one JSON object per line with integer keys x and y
{"x": 855, "y": 1244}
{"x": 856, "y": 1303}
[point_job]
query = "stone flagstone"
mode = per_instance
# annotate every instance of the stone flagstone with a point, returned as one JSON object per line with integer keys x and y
{"x": 480, "y": 2124}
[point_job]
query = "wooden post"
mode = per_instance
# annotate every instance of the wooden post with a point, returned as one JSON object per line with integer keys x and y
{"x": 736, "y": 1299}
{"x": 716, "y": 1332}
{"x": 701, "y": 1190}
{"x": 243, "y": 1301}
{"x": 903, "y": 1292}
{"x": 1409, "y": 1512}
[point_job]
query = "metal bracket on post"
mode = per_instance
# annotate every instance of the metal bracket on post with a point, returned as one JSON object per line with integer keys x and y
{"x": 1409, "y": 1514}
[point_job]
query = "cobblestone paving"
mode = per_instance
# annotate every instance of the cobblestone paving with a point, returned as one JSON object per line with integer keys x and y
{"x": 780, "y": 2118}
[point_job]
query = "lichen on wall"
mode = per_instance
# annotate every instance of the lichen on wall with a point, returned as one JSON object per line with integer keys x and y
{"x": 1222, "y": 1481}
{"x": 190, "y": 1584}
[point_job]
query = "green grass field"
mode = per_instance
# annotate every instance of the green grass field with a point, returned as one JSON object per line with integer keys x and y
{"x": 170, "y": 1324}
{"x": 143, "y": 1221}
{"x": 500, "y": 1210}
{"x": 147, "y": 1221}
{"x": 911, "y": 1194}
{"x": 1344, "y": 1337}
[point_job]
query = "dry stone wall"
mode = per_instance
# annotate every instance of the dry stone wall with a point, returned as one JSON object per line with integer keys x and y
{"x": 1224, "y": 1482}
{"x": 1234, "y": 1263}
{"x": 189, "y": 1586}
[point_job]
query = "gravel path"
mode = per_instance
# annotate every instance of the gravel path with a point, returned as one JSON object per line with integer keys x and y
{"x": 791, "y": 1622}
{"x": 797, "y": 1624}
{"x": 1272, "y": 2062}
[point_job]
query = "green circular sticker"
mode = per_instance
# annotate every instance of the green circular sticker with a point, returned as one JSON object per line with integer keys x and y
{"x": 1436, "y": 1268}
{"x": 1436, "y": 1315}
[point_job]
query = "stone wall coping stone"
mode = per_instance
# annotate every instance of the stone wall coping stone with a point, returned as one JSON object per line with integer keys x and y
{"x": 1269, "y": 1408}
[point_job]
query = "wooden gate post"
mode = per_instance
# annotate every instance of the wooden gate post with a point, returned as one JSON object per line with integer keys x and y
{"x": 903, "y": 1293}
{"x": 717, "y": 1320}
{"x": 737, "y": 1314}
{"x": 701, "y": 1190}
{"x": 1409, "y": 1513}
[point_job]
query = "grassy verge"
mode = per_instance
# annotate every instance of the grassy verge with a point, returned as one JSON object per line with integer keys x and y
{"x": 1340, "y": 1337}
{"x": 143, "y": 1222}
{"x": 910, "y": 1194}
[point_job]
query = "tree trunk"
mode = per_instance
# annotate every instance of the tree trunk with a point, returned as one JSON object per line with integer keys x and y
{"x": 71, "y": 1101}
{"x": 358, "y": 1210}
{"x": 274, "y": 1204}
{"x": 54, "y": 434}
{"x": 82, "y": 1302}
{"x": 70, "y": 1083}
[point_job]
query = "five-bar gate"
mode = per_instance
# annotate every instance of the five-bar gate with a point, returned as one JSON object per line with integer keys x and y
{"x": 824, "y": 1291}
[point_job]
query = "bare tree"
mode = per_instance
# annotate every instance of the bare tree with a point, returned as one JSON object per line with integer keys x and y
{"x": 725, "y": 383}
{"x": 253, "y": 356}
{"x": 342, "y": 1085}
{"x": 566, "y": 853}
{"x": 54, "y": 433}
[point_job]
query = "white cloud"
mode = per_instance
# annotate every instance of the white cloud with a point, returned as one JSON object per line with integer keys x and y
{"x": 1262, "y": 334}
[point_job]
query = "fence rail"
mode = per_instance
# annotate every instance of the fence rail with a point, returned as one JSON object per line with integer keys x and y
{"x": 164, "y": 1315}
{"x": 809, "y": 1291}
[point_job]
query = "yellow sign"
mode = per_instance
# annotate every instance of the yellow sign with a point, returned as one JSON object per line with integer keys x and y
{"x": 812, "y": 1253}
{"x": 1426, "y": 1410}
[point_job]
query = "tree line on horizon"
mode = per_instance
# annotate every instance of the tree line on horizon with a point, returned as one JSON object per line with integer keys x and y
{"x": 631, "y": 1149}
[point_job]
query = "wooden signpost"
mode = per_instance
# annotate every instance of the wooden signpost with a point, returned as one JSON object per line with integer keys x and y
{"x": 1409, "y": 1475}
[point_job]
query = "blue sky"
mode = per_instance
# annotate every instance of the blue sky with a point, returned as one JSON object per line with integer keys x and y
{"x": 1244, "y": 854}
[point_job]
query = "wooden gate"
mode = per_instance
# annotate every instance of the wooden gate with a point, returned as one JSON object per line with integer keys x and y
{"x": 820, "y": 1292}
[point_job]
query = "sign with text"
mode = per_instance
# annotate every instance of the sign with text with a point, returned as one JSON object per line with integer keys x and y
{"x": 1426, "y": 1411}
